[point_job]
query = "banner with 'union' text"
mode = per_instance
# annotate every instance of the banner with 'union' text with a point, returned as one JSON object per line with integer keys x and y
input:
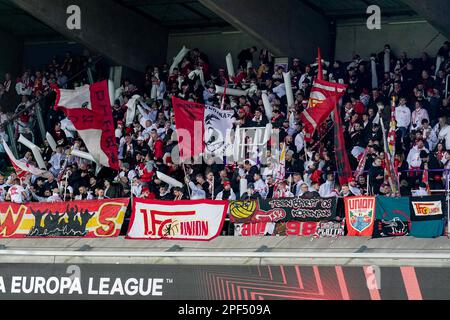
{"x": 195, "y": 220}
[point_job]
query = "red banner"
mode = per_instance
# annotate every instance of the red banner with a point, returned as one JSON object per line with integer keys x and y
{"x": 360, "y": 215}
{"x": 89, "y": 219}
{"x": 189, "y": 121}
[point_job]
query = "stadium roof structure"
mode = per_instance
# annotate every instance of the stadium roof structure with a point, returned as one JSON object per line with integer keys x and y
{"x": 186, "y": 15}
{"x": 284, "y": 27}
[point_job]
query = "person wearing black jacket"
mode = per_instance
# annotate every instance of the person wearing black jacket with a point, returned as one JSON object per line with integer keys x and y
{"x": 376, "y": 176}
{"x": 429, "y": 162}
{"x": 250, "y": 171}
{"x": 246, "y": 55}
{"x": 376, "y": 134}
{"x": 251, "y": 194}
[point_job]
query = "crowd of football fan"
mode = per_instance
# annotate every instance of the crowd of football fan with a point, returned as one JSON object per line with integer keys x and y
{"x": 422, "y": 111}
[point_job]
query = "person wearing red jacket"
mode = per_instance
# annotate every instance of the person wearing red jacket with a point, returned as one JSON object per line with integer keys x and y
{"x": 157, "y": 145}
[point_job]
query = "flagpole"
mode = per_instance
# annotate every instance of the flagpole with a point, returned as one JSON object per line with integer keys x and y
{"x": 185, "y": 176}
{"x": 212, "y": 187}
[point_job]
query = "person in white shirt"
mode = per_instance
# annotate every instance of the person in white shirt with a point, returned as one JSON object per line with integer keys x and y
{"x": 16, "y": 192}
{"x": 413, "y": 158}
{"x": 55, "y": 197}
{"x": 422, "y": 191}
{"x": 327, "y": 190}
{"x": 403, "y": 117}
{"x": 352, "y": 185}
{"x": 418, "y": 115}
{"x": 260, "y": 186}
{"x": 299, "y": 141}
{"x": 196, "y": 190}
{"x": 429, "y": 134}
{"x": 227, "y": 193}
{"x": 136, "y": 187}
{"x": 444, "y": 134}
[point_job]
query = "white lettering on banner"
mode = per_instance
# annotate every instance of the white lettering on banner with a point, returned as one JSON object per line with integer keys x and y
{"x": 15, "y": 284}
{"x": 103, "y": 286}
{"x": 131, "y": 287}
{"x": 91, "y": 291}
{"x": 53, "y": 285}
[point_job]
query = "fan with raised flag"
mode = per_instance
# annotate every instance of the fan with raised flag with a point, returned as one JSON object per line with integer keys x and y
{"x": 202, "y": 129}
{"x": 322, "y": 102}
{"x": 89, "y": 109}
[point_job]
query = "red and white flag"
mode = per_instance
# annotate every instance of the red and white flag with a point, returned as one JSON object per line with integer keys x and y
{"x": 392, "y": 135}
{"x": 89, "y": 109}
{"x": 202, "y": 129}
{"x": 22, "y": 168}
{"x": 321, "y": 103}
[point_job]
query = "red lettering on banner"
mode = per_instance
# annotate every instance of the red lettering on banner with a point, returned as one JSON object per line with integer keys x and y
{"x": 298, "y": 228}
{"x": 253, "y": 229}
{"x": 194, "y": 228}
{"x": 361, "y": 203}
{"x": 11, "y": 222}
{"x": 106, "y": 219}
{"x": 164, "y": 227}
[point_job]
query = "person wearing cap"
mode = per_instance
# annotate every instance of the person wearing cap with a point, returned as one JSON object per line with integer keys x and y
{"x": 227, "y": 193}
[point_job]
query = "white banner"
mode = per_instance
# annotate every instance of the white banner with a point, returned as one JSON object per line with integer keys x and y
{"x": 218, "y": 126}
{"x": 193, "y": 220}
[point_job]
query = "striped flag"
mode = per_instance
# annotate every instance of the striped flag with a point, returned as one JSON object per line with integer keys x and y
{"x": 281, "y": 170}
{"x": 22, "y": 169}
{"x": 392, "y": 135}
{"x": 392, "y": 176}
{"x": 362, "y": 163}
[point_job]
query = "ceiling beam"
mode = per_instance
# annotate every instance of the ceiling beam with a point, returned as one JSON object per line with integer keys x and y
{"x": 313, "y": 6}
{"x": 195, "y": 11}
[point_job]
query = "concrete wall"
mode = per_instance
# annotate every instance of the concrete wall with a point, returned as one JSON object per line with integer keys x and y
{"x": 216, "y": 45}
{"x": 285, "y": 27}
{"x": 11, "y": 50}
{"x": 409, "y": 36}
{"x": 124, "y": 36}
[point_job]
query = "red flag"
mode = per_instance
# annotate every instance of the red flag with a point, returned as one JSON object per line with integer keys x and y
{"x": 320, "y": 71}
{"x": 189, "y": 120}
{"x": 342, "y": 162}
{"x": 321, "y": 103}
{"x": 89, "y": 109}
